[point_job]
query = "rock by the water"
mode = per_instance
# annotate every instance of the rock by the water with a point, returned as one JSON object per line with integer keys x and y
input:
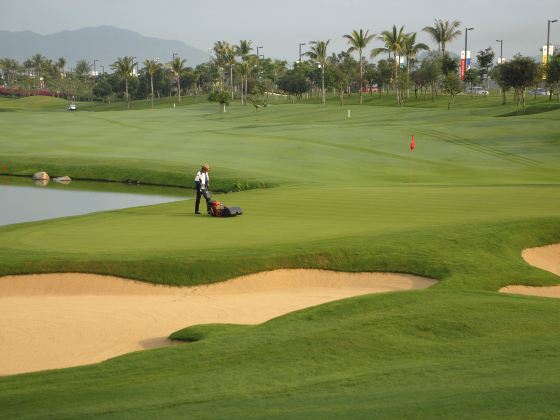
{"x": 62, "y": 179}
{"x": 41, "y": 182}
{"x": 42, "y": 176}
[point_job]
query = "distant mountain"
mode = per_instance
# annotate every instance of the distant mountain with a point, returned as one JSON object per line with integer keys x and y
{"x": 104, "y": 43}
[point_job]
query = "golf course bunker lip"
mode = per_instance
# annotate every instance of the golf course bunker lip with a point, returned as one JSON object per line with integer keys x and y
{"x": 61, "y": 320}
{"x": 543, "y": 257}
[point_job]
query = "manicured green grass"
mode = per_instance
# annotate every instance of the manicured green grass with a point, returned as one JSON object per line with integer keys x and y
{"x": 347, "y": 195}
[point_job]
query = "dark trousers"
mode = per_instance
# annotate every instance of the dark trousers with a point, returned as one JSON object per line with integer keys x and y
{"x": 200, "y": 193}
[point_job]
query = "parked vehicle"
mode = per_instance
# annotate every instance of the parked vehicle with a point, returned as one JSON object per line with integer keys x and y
{"x": 71, "y": 107}
{"x": 370, "y": 89}
{"x": 477, "y": 90}
{"x": 539, "y": 92}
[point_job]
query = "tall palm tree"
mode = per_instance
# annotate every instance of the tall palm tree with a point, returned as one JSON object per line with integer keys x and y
{"x": 38, "y": 64}
{"x": 123, "y": 67}
{"x": 358, "y": 41}
{"x": 177, "y": 68}
{"x": 152, "y": 67}
{"x": 411, "y": 48}
{"x": 318, "y": 52}
{"x": 83, "y": 68}
{"x": 243, "y": 50}
{"x": 394, "y": 43}
{"x": 229, "y": 54}
{"x": 220, "y": 59}
{"x": 60, "y": 64}
{"x": 443, "y": 32}
{"x": 9, "y": 67}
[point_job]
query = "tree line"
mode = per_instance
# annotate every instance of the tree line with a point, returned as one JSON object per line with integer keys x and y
{"x": 234, "y": 71}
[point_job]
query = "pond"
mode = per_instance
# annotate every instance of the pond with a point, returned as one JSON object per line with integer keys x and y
{"x": 21, "y": 200}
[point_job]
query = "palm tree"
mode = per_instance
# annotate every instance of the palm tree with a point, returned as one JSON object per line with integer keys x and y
{"x": 229, "y": 54}
{"x": 123, "y": 67}
{"x": 83, "y": 68}
{"x": 443, "y": 32}
{"x": 246, "y": 69}
{"x": 60, "y": 64}
{"x": 243, "y": 50}
{"x": 220, "y": 60}
{"x": 177, "y": 68}
{"x": 411, "y": 48}
{"x": 9, "y": 67}
{"x": 318, "y": 52}
{"x": 38, "y": 63}
{"x": 394, "y": 43}
{"x": 152, "y": 67}
{"x": 358, "y": 41}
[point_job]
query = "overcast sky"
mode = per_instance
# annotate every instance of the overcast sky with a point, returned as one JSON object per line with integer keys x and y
{"x": 279, "y": 26}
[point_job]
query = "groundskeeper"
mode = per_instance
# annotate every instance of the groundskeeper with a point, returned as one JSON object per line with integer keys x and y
{"x": 202, "y": 183}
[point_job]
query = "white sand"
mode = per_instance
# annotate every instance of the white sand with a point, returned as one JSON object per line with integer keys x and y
{"x": 59, "y": 320}
{"x": 546, "y": 258}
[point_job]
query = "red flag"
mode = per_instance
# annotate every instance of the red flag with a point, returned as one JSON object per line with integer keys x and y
{"x": 412, "y": 143}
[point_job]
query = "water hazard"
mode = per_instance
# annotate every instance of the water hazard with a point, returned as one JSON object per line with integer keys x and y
{"x": 21, "y": 200}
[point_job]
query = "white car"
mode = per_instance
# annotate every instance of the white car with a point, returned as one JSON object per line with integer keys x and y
{"x": 539, "y": 92}
{"x": 477, "y": 90}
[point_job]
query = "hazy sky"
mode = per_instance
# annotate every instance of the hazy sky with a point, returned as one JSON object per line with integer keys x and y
{"x": 279, "y": 26}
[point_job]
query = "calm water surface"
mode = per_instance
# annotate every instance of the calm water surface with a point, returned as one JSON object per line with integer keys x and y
{"x": 23, "y": 201}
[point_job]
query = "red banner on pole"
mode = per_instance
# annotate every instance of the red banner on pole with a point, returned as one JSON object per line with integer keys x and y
{"x": 463, "y": 66}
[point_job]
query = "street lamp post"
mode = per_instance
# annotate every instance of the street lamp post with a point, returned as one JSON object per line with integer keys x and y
{"x": 94, "y": 70}
{"x": 102, "y": 68}
{"x": 465, "y": 66}
{"x": 134, "y": 64}
{"x": 300, "y": 45}
{"x": 174, "y": 54}
{"x": 501, "y": 41}
{"x": 258, "y": 48}
{"x": 548, "y": 39}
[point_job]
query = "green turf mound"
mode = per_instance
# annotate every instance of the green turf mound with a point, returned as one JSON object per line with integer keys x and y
{"x": 533, "y": 109}
{"x": 202, "y": 332}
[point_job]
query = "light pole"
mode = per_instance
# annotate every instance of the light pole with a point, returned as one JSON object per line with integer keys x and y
{"x": 300, "y": 45}
{"x": 102, "y": 68}
{"x": 548, "y": 39}
{"x": 95, "y": 71}
{"x": 501, "y": 41}
{"x": 173, "y": 59}
{"x": 134, "y": 64}
{"x": 465, "y": 66}
{"x": 258, "y": 48}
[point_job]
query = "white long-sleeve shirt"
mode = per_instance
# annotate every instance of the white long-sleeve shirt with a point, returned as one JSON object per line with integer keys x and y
{"x": 203, "y": 178}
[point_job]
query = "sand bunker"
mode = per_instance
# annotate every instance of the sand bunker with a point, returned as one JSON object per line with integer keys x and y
{"x": 546, "y": 258}
{"x": 60, "y": 320}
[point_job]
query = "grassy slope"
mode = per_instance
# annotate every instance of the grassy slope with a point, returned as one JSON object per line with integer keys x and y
{"x": 351, "y": 197}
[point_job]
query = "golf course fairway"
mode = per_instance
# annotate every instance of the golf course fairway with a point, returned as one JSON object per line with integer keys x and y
{"x": 321, "y": 191}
